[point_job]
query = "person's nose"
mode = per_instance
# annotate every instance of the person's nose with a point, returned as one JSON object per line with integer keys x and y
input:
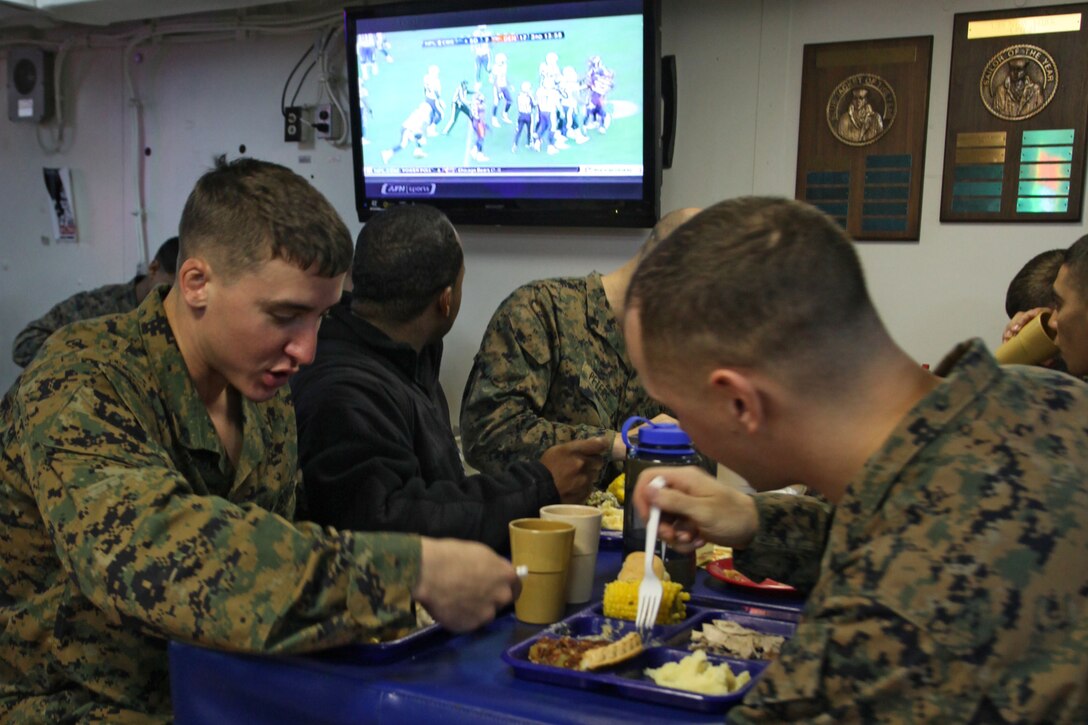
{"x": 1052, "y": 323}
{"x": 303, "y": 347}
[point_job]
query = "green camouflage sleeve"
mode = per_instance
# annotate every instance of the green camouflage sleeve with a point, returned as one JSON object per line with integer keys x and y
{"x": 508, "y": 388}
{"x": 952, "y": 586}
{"x": 855, "y": 660}
{"x": 146, "y": 550}
{"x": 790, "y": 542}
{"x": 82, "y": 306}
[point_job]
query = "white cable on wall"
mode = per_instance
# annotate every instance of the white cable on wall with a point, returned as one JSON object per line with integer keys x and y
{"x": 174, "y": 31}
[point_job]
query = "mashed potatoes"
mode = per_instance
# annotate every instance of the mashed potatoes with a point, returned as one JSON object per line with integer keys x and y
{"x": 611, "y": 518}
{"x": 695, "y": 674}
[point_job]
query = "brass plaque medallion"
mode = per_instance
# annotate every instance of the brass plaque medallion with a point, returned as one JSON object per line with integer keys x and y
{"x": 861, "y": 109}
{"x": 1018, "y": 82}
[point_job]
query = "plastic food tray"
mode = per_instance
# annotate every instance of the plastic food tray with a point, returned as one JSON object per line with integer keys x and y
{"x": 611, "y": 539}
{"x": 667, "y": 643}
{"x": 723, "y": 570}
{"x": 394, "y": 649}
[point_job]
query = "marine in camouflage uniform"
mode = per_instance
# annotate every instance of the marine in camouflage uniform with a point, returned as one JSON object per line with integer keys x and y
{"x": 552, "y": 368}
{"x": 950, "y": 583}
{"x": 105, "y": 445}
{"x": 105, "y": 300}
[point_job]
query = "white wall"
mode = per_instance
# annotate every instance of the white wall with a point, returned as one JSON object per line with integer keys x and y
{"x": 739, "y": 69}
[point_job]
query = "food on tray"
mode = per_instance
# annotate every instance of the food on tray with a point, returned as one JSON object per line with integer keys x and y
{"x": 621, "y": 596}
{"x": 611, "y": 509}
{"x": 612, "y": 519}
{"x": 734, "y": 575}
{"x": 601, "y": 499}
{"x": 695, "y": 674}
{"x": 423, "y": 617}
{"x": 584, "y": 653}
{"x": 724, "y": 569}
{"x": 725, "y": 637}
{"x": 712, "y": 552}
{"x": 634, "y": 567}
{"x": 616, "y": 488}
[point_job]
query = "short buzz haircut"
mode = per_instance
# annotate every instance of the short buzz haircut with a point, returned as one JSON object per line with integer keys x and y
{"x": 754, "y": 282}
{"x": 247, "y": 212}
{"x": 1076, "y": 263}
{"x": 404, "y": 257}
{"x": 1033, "y": 285}
{"x": 664, "y": 227}
{"x": 167, "y": 256}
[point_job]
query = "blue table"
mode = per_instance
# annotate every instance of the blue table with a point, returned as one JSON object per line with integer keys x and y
{"x": 459, "y": 679}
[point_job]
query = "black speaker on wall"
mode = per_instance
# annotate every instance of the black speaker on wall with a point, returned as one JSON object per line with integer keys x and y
{"x": 30, "y": 84}
{"x": 668, "y": 99}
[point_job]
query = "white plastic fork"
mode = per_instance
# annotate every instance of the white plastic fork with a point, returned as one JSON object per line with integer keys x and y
{"x": 650, "y": 590}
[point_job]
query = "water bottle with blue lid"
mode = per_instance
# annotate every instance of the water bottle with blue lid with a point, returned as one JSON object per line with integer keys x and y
{"x": 657, "y": 444}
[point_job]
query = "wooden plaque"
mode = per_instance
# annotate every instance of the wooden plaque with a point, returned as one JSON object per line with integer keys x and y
{"x": 1017, "y": 114}
{"x": 862, "y": 142}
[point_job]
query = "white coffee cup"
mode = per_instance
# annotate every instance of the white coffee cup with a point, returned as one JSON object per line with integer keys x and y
{"x": 583, "y": 557}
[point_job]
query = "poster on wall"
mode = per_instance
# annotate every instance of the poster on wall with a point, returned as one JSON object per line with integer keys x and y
{"x": 862, "y": 139}
{"x": 58, "y": 183}
{"x": 1017, "y": 115}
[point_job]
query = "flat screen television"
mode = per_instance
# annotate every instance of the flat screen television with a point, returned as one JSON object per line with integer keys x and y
{"x": 531, "y": 112}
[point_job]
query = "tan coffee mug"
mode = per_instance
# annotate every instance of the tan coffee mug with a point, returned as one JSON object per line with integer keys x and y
{"x": 544, "y": 547}
{"x": 586, "y": 521}
{"x": 1031, "y": 346}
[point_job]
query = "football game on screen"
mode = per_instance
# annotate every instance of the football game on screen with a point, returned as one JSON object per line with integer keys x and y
{"x": 543, "y": 98}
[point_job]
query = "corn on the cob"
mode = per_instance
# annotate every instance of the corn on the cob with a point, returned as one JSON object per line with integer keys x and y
{"x": 621, "y": 601}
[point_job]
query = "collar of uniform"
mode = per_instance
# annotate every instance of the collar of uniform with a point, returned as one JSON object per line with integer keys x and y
{"x": 132, "y": 290}
{"x": 602, "y": 320}
{"x": 415, "y": 366}
{"x": 191, "y": 422}
{"x": 967, "y": 371}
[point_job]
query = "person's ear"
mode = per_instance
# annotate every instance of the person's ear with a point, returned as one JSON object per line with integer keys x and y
{"x": 193, "y": 280}
{"x": 445, "y": 302}
{"x": 738, "y": 395}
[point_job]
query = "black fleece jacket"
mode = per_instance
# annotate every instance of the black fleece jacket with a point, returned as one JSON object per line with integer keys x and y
{"x": 377, "y": 450}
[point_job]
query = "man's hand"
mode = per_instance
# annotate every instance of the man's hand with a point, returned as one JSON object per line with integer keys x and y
{"x": 463, "y": 584}
{"x": 619, "y": 449}
{"x": 575, "y": 467}
{"x": 1019, "y": 320}
{"x": 697, "y": 509}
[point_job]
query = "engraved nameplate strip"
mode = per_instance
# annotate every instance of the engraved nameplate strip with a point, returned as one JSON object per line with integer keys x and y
{"x": 1033, "y": 25}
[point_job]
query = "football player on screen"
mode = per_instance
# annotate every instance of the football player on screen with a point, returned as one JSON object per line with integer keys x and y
{"x": 481, "y": 49}
{"x": 413, "y": 130}
{"x": 432, "y": 91}
{"x": 385, "y": 46}
{"x": 460, "y": 106}
{"x": 547, "y": 103}
{"x": 479, "y": 128}
{"x": 599, "y": 80}
{"x": 550, "y": 74}
{"x": 368, "y": 65}
{"x": 571, "y": 107}
{"x": 525, "y": 104}
{"x": 501, "y": 90}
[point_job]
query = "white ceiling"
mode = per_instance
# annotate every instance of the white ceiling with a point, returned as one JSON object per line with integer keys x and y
{"x": 44, "y": 13}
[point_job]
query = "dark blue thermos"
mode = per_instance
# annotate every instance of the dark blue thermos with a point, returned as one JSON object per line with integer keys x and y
{"x": 657, "y": 444}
